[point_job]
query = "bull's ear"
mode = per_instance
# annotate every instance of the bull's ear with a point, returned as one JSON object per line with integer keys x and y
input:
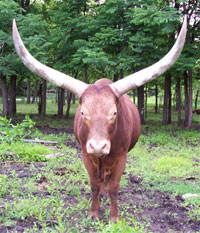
{"x": 54, "y": 76}
{"x": 138, "y": 79}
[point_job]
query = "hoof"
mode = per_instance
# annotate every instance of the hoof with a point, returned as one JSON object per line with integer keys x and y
{"x": 94, "y": 215}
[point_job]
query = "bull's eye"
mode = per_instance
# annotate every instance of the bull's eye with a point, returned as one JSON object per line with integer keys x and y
{"x": 112, "y": 117}
{"x": 85, "y": 114}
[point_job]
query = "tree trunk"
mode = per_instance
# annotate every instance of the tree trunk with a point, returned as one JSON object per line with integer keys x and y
{"x": 166, "y": 99}
{"x": 140, "y": 92}
{"x": 121, "y": 74}
{"x": 74, "y": 98}
{"x": 115, "y": 77}
{"x": 196, "y": 100}
{"x": 189, "y": 124}
{"x": 68, "y": 104}
{"x": 134, "y": 91}
{"x": 156, "y": 98}
{"x": 28, "y": 85}
{"x": 63, "y": 97}
{"x": 178, "y": 100}
{"x": 169, "y": 120}
{"x": 12, "y": 104}
{"x": 42, "y": 101}
{"x": 60, "y": 101}
{"x": 4, "y": 95}
{"x": 35, "y": 92}
{"x": 186, "y": 98}
{"x": 146, "y": 96}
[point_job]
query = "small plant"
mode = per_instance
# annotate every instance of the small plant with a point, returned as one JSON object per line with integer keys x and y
{"x": 24, "y": 152}
{"x": 122, "y": 226}
{"x": 193, "y": 206}
{"x": 12, "y": 133}
{"x": 3, "y": 185}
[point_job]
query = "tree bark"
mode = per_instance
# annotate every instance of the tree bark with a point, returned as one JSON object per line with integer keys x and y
{"x": 69, "y": 97}
{"x": 146, "y": 96}
{"x": 68, "y": 104}
{"x": 189, "y": 125}
{"x": 156, "y": 98}
{"x": 12, "y": 104}
{"x": 196, "y": 100}
{"x": 140, "y": 92}
{"x": 28, "y": 86}
{"x": 186, "y": 98}
{"x": 166, "y": 99}
{"x": 4, "y": 95}
{"x": 115, "y": 77}
{"x": 42, "y": 98}
{"x": 134, "y": 91}
{"x": 60, "y": 101}
{"x": 74, "y": 98}
{"x": 35, "y": 92}
{"x": 121, "y": 74}
{"x": 178, "y": 100}
{"x": 169, "y": 119}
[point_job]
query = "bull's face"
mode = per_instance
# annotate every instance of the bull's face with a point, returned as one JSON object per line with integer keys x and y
{"x": 99, "y": 115}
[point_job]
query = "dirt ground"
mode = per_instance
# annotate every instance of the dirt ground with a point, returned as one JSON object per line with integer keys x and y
{"x": 164, "y": 214}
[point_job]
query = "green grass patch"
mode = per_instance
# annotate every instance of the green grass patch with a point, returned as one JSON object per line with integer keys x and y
{"x": 166, "y": 157}
{"x": 24, "y": 152}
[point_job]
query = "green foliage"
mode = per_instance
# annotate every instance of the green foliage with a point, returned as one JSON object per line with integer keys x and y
{"x": 12, "y": 133}
{"x": 164, "y": 161}
{"x": 24, "y": 152}
{"x": 193, "y": 206}
{"x": 3, "y": 185}
{"x": 122, "y": 226}
{"x": 170, "y": 166}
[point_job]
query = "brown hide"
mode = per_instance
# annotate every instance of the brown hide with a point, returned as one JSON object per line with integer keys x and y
{"x": 122, "y": 132}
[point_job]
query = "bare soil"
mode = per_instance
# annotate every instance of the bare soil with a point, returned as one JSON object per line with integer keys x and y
{"x": 160, "y": 210}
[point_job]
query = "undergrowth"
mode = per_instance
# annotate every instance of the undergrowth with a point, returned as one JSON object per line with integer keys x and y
{"x": 55, "y": 194}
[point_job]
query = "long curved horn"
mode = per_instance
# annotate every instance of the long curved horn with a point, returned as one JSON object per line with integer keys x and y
{"x": 141, "y": 77}
{"x": 54, "y": 76}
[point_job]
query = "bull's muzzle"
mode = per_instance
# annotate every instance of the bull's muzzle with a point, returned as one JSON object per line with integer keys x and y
{"x": 98, "y": 147}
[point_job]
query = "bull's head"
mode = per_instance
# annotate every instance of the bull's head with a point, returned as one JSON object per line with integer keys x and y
{"x": 98, "y": 110}
{"x": 96, "y": 113}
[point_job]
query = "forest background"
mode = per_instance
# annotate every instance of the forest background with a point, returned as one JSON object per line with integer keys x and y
{"x": 91, "y": 39}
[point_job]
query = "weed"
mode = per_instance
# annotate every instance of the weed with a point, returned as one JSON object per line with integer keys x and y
{"x": 24, "y": 152}
{"x": 12, "y": 133}
{"x": 3, "y": 185}
{"x": 122, "y": 226}
{"x": 193, "y": 206}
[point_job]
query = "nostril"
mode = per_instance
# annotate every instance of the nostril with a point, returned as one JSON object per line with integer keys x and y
{"x": 91, "y": 146}
{"x": 103, "y": 147}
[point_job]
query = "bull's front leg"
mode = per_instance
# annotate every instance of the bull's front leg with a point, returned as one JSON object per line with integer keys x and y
{"x": 95, "y": 208}
{"x": 95, "y": 187}
{"x": 113, "y": 187}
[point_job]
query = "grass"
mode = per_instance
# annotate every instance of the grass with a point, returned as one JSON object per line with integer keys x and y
{"x": 166, "y": 158}
{"x": 24, "y": 152}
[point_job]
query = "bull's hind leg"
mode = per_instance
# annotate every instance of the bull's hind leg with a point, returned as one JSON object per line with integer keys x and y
{"x": 113, "y": 187}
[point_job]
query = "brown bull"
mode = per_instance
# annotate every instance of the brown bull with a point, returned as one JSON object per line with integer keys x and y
{"x": 107, "y": 123}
